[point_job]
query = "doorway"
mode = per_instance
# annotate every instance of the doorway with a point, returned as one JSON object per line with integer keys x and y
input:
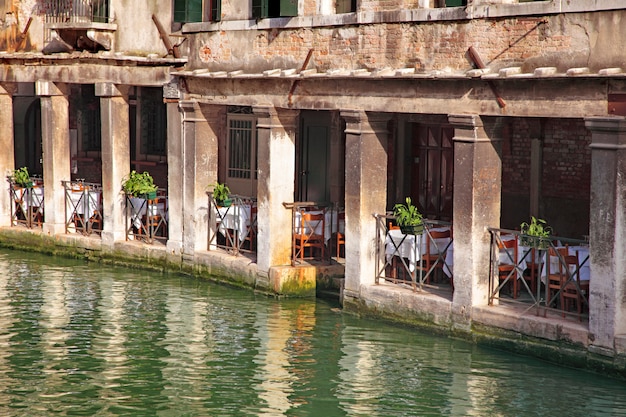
{"x": 432, "y": 170}
{"x": 313, "y": 162}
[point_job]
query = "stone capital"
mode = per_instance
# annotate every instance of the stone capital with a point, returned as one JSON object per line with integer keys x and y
{"x": 50, "y": 89}
{"x": 110, "y": 90}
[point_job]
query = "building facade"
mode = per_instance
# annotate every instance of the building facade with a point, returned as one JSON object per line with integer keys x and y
{"x": 484, "y": 113}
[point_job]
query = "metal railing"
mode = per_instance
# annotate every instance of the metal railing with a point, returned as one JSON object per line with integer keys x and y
{"x": 420, "y": 260}
{"x": 233, "y": 226}
{"x": 525, "y": 272}
{"x": 147, "y": 217}
{"x": 83, "y": 207}
{"x": 312, "y": 239}
{"x": 75, "y": 11}
{"x": 27, "y": 203}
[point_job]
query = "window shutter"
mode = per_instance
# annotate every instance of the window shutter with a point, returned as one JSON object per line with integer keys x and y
{"x": 345, "y": 6}
{"x": 289, "y": 8}
{"x": 259, "y": 9}
{"x": 187, "y": 11}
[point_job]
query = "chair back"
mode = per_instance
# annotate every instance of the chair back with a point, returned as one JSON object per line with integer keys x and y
{"x": 312, "y": 224}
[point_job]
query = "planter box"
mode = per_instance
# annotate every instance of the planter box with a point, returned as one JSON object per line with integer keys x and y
{"x": 412, "y": 230}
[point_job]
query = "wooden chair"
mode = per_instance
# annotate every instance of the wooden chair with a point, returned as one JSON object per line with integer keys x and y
{"x": 554, "y": 279}
{"x": 340, "y": 238}
{"x": 250, "y": 239}
{"x": 573, "y": 291}
{"x": 506, "y": 270}
{"x": 153, "y": 222}
{"x": 396, "y": 263}
{"x": 305, "y": 236}
{"x": 434, "y": 260}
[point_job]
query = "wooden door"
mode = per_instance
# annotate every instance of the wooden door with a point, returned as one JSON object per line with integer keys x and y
{"x": 313, "y": 175}
{"x": 432, "y": 170}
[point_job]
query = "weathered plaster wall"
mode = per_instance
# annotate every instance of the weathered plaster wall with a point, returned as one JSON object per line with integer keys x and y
{"x": 136, "y": 32}
{"x": 562, "y": 40}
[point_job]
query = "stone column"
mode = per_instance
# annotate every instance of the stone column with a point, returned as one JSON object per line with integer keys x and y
{"x": 200, "y": 149}
{"x": 171, "y": 95}
{"x": 477, "y": 196}
{"x": 366, "y": 193}
{"x": 7, "y": 156}
{"x": 276, "y": 154}
{"x": 115, "y": 158}
{"x": 55, "y": 133}
{"x": 607, "y": 235}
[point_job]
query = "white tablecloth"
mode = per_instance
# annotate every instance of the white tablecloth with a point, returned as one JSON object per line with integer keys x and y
{"x": 140, "y": 208}
{"x": 84, "y": 202}
{"x": 235, "y": 217}
{"x": 583, "y": 260}
{"x": 34, "y": 198}
{"x": 413, "y": 247}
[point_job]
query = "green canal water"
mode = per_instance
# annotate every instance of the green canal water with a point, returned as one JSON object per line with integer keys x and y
{"x": 79, "y": 339}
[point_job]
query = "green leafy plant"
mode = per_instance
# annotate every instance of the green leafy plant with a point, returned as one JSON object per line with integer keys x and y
{"x": 535, "y": 233}
{"x": 221, "y": 192}
{"x": 408, "y": 216}
{"x": 138, "y": 184}
{"x": 21, "y": 177}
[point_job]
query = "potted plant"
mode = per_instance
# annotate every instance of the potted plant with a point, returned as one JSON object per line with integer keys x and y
{"x": 536, "y": 233}
{"x": 21, "y": 178}
{"x": 408, "y": 218}
{"x": 139, "y": 185}
{"x": 221, "y": 194}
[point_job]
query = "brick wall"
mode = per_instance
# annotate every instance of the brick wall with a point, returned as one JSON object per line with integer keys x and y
{"x": 566, "y": 158}
{"x": 558, "y": 40}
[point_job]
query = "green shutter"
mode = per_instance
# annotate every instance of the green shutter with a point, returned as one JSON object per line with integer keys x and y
{"x": 288, "y": 8}
{"x": 455, "y": 3}
{"x": 194, "y": 11}
{"x": 187, "y": 11}
{"x": 345, "y": 6}
{"x": 259, "y": 9}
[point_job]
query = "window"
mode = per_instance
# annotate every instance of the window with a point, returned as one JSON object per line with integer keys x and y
{"x": 241, "y": 169}
{"x": 274, "y": 8}
{"x": 186, "y": 11}
{"x": 345, "y": 6}
{"x": 153, "y": 122}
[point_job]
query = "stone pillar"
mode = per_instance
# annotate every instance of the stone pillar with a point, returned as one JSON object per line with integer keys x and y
{"x": 7, "y": 156}
{"x": 115, "y": 158}
{"x": 366, "y": 194}
{"x": 55, "y": 133}
{"x": 477, "y": 196}
{"x": 171, "y": 94}
{"x": 276, "y": 155}
{"x": 607, "y": 235}
{"x": 200, "y": 150}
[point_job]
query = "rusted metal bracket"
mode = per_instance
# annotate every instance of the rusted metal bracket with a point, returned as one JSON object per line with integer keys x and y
{"x": 22, "y": 35}
{"x": 295, "y": 83}
{"x": 171, "y": 49}
{"x": 478, "y": 63}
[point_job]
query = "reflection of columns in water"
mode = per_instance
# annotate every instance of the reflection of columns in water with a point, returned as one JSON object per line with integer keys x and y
{"x": 359, "y": 378}
{"x": 276, "y": 333}
{"x": 188, "y": 330}
{"x": 111, "y": 341}
{"x": 54, "y": 319}
{"x": 6, "y": 323}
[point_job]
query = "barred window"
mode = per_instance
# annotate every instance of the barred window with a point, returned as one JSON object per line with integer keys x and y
{"x": 241, "y": 165}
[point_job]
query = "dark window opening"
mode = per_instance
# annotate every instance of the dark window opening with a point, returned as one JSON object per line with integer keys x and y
{"x": 274, "y": 8}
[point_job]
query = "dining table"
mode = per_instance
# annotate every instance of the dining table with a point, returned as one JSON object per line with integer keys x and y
{"x": 582, "y": 251}
{"x": 413, "y": 247}
{"x": 237, "y": 217}
{"x": 141, "y": 207}
{"x": 85, "y": 202}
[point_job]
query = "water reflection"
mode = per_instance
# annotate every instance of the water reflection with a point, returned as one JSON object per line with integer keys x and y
{"x": 85, "y": 340}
